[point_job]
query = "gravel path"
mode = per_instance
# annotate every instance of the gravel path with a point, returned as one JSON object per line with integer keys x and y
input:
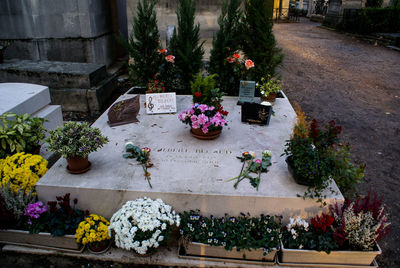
{"x": 336, "y": 76}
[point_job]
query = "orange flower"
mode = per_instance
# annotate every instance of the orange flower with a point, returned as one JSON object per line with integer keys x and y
{"x": 236, "y": 56}
{"x": 162, "y": 51}
{"x": 249, "y": 64}
{"x": 170, "y": 58}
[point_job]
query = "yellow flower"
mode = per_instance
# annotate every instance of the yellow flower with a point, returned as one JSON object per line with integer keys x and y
{"x": 84, "y": 241}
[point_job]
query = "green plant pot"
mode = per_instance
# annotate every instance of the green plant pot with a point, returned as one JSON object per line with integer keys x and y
{"x": 297, "y": 177}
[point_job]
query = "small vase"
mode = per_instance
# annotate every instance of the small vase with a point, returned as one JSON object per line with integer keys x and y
{"x": 78, "y": 165}
{"x": 199, "y": 134}
{"x": 100, "y": 247}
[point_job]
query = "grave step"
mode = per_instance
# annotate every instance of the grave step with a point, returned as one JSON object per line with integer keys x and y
{"x": 54, "y": 74}
{"x": 23, "y": 98}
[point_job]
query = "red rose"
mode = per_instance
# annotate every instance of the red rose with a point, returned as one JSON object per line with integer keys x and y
{"x": 198, "y": 94}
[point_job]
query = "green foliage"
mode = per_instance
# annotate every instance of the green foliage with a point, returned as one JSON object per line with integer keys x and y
{"x": 225, "y": 42}
{"x": 269, "y": 85}
{"x": 373, "y": 20}
{"x": 20, "y": 133}
{"x": 373, "y": 3}
{"x": 143, "y": 43}
{"x": 16, "y": 203}
{"x": 258, "y": 41}
{"x": 243, "y": 232}
{"x": 204, "y": 91}
{"x": 346, "y": 174}
{"x": 76, "y": 139}
{"x": 64, "y": 219}
{"x": 185, "y": 45}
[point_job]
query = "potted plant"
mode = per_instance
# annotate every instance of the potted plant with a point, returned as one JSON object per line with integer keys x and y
{"x": 22, "y": 171}
{"x": 47, "y": 227}
{"x": 269, "y": 87}
{"x": 93, "y": 231}
{"x": 243, "y": 237}
{"x": 206, "y": 122}
{"x": 142, "y": 225}
{"x": 75, "y": 141}
{"x": 20, "y": 133}
{"x": 311, "y": 156}
{"x": 346, "y": 237}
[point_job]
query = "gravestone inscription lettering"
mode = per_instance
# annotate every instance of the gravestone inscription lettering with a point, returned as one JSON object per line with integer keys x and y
{"x": 193, "y": 155}
{"x": 246, "y": 91}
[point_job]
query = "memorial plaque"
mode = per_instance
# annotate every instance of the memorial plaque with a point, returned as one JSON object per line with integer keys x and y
{"x": 255, "y": 113}
{"x": 124, "y": 112}
{"x": 161, "y": 103}
{"x": 246, "y": 91}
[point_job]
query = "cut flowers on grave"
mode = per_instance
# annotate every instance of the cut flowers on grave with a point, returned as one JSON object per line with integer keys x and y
{"x": 92, "y": 230}
{"x": 242, "y": 232}
{"x": 204, "y": 117}
{"x": 142, "y": 155}
{"x": 142, "y": 224}
{"x": 252, "y": 165}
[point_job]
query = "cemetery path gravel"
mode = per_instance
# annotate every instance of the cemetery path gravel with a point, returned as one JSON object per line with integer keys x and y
{"x": 336, "y": 76}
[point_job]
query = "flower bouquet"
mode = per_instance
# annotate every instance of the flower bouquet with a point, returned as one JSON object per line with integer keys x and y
{"x": 142, "y": 225}
{"x": 206, "y": 121}
{"x": 93, "y": 231}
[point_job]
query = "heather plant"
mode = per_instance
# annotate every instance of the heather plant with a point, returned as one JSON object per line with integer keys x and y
{"x": 242, "y": 232}
{"x": 76, "y": 139}
{"x": 361, "y": 223}
{"x": 185, "y": 44}
{"x": 64, "y": 218}
{"x": 16, "y": 203}
{"x": 225, "y": 41}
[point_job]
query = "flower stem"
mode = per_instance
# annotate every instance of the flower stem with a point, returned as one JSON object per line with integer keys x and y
{"x": 148, "y": 178}
{"x": 240, "y": 174}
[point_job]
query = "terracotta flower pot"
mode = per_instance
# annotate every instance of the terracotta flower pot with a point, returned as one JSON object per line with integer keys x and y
{"x": 78, "y": 165}
{"x": 100, "y": 247}
{"x": 199, "y": 134}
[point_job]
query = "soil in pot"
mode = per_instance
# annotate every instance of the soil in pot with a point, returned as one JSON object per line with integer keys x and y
{"x": 78, "y": 165}
{"x": 199, "y": 134}
{"x": 100, "y": 247}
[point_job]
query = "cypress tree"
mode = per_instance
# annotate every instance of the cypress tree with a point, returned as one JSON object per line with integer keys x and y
{"x": 143, "y": 43}
{"x": 185, "y": 44}
{"x": 258, "y": 41}
{"x": 225, "y": 43}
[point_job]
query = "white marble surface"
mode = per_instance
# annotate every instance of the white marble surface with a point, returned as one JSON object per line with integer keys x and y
{"x": 23, "y": 98}
{"x": 188, "y": 173}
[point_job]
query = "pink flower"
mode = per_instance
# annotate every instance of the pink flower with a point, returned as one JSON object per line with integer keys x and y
{"x": 205, "y": 127}
{"x": 203, "y": 107}
{"x": 249, "y": 64}
{"x": 257, "y": 161}
{"x": 195, "y": 124}
{"x": 202, "y": 119}
{"x": 170, "y": 58}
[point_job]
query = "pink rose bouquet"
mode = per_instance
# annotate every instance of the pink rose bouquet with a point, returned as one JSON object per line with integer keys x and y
{"x": 204, "y": 117}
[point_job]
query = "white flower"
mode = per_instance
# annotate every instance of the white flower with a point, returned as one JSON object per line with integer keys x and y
{"x": 142, "y": 214}
{"x": 129, "y": 143}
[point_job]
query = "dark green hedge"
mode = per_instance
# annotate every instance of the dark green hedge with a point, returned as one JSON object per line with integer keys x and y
{"x": 372, "y": 20}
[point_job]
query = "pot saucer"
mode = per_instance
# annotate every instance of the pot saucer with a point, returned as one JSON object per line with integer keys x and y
{"x": 80, "y": 171}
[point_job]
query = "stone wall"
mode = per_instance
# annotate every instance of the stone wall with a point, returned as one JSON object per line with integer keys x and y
{"x": 58, "y": 30}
